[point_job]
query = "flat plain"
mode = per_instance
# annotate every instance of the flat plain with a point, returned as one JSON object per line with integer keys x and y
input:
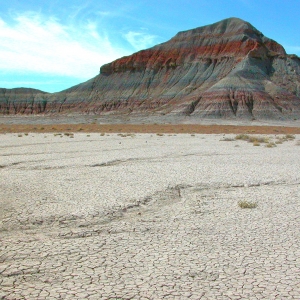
{"x": 91, "y": 215}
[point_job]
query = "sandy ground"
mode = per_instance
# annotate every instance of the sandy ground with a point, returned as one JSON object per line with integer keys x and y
{"x": 143, "y": 124}
{"x": 147, "y": 216}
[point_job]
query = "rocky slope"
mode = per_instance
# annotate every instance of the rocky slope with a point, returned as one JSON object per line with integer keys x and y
{"x": 225, "y": 70}
{"x": 22, "y": 101}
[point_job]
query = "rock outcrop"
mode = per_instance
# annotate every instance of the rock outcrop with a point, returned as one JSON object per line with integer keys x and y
{"x": 225, "y": 70}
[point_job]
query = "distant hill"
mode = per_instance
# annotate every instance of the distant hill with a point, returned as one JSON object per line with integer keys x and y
{"x": 22, "y": 101}
{"x": 225, "y": 70}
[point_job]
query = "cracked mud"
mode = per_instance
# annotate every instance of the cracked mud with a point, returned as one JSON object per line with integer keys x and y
{"x": 147, "y": 217}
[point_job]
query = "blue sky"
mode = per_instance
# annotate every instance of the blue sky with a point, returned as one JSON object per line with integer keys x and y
{"x": 52, "y": 45}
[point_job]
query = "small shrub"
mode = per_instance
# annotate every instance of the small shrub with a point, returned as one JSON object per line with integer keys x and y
{"x": 271, "y": 145}
{"x": 253, "y": 139}
{"x": 290, "y": 137}
{"x": 247, "y": 204}
{"x": 20, "y": 135}
{"x": 160, "y": 134}
{"x": 243, "y": 137}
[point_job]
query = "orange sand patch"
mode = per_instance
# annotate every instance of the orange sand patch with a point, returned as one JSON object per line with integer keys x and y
{"x": 149, "y": 128}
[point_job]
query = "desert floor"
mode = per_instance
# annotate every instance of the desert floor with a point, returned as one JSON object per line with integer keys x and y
{"x": 143, "y": 124}
{"x": 148, "y": 216}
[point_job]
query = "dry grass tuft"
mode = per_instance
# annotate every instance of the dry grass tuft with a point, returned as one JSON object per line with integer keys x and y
{"x": 270, "y": 145}
{"x": 289, "y": 137}
{"x": 258, "y": 139}
{"x": 69, "y": 134}
{"x": 242, "y": 136}
{"x": 247, "y": 204}
{"x": 126, "y": 134}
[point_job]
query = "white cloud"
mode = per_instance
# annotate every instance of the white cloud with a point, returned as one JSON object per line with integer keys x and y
{"x": 34, "y": 43}
{"x": 140, "y": 40}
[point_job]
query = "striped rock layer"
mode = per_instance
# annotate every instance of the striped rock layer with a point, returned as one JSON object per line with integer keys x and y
{"x": 224, "y": 70}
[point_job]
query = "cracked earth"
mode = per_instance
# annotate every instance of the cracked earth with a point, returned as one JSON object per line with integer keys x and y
{"x": 148, "y": 217}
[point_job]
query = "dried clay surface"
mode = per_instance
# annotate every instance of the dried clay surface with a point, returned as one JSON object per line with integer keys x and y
{"x": 146, "y": 216}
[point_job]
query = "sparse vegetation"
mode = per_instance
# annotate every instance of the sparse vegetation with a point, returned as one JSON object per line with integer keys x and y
{"x": 289, "y": 137}
{"x": 242, "y": 136}
{"x": 285, "y": 138}
{"x": 126, "y": 134}
{"x": 252, "y": 138}
{"x": 270, "y": 145}
{"x": 247, "y": 204}
{"x": 257, "y": 140}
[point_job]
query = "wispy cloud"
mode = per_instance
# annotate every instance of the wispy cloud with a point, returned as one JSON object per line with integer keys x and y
{"x": 140, "y": 40}
{"x": 35, "y": 43}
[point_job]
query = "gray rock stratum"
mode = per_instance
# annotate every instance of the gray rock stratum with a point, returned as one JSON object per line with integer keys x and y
{"x": 225, "y": 70}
